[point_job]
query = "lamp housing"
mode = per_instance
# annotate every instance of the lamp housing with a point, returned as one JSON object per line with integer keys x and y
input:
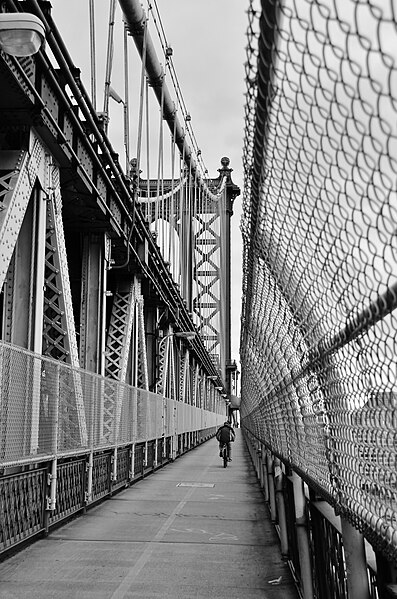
{"x": 21, "y": 34}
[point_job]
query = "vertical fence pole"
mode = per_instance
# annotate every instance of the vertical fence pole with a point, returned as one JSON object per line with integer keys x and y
{"x": 272, "y": 494}
{"x": 91, "y": 390}
{"x": 156, "y": 450}
{"x": 282, "y": 520}
{"x": 356, "y": 563}
{"x": 259, "y": 463}
{"x": 51, "y": 500}
{"x": 386, "y": 576}
{"x": 265, "y": 474}
{"x": 132, "y": 462}
{"x": 90, "y": 470}
{"x": 302, "y": 537}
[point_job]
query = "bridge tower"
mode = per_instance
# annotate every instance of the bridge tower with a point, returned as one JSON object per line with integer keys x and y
{"x": 199, "y": 221}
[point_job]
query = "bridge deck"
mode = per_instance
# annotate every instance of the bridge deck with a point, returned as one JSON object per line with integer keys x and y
{"x": 193, "y": 529}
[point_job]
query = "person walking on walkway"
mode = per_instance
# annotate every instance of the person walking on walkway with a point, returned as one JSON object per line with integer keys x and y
{"x": 225, "y": 435}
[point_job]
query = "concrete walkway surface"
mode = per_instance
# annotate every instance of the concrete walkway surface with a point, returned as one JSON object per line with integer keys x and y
{"x": 191, "y": 530}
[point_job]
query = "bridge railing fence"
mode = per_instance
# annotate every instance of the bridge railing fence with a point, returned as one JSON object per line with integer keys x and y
{"x": 319, "y": 566}
{"x": 49, "y": 409}
{"x": 318, "y": 341}
{"x": 69, "y": 438}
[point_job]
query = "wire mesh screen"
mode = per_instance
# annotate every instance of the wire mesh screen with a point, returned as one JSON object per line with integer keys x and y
{"x": 318, "y": 341}
{"x": 48, "y": 408}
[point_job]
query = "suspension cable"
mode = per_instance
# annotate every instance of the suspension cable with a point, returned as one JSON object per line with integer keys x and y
{"x": 109, "y": 62}
{"x": 142, "y": 91}
{"x": 92, "y": 53}
{"x": 126, "y": 104}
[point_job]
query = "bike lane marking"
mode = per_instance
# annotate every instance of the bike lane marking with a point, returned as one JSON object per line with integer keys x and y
{"x": 124, "y": 587}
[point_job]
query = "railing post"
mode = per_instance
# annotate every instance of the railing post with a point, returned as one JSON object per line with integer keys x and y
{"x": 265, "y": 474}
{"x": 145, "y": 456}
{"x": 282, "y": 520}
{"x": 272, "y": 494}
{"x": 132, "y": 462}
{"x": 356, "y": 564}
{"x": 302, "y": 537}
{"x": 260, "y": 469}
{"x": 156, "y": 449}
{"x": 90, "y": 469}
{"x": 114, "y": 468}
{"x": 52, "y": 477}
{"x": 386, "y": 576}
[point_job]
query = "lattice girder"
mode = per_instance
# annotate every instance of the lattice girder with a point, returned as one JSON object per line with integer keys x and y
{"x": 116, "y": 354}
{"x": 21, "y": 169}
{"x": 142, "y": 378}
{"x": 207, "y": 278}
{"x": 59, "y": 332}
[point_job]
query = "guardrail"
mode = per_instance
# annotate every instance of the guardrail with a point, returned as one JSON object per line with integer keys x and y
{"x": 70, "y": 438}
{"x": 312, "y": 539}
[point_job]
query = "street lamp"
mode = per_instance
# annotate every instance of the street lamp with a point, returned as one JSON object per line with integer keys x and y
{"x": 187, "y": 335}
{"x": 21, "y": 34}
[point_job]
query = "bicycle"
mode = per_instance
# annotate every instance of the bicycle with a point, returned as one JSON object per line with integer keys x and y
{"x": 224, "y": 455}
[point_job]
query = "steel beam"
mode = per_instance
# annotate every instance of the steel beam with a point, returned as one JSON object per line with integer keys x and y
{"x": 136, "y": 22}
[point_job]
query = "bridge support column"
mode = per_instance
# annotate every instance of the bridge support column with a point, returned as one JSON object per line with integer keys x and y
{"x": 356, "y": 564}
{"x": 150, "y": 330}
{"x": 92, "y": 327}
{"x": 302, "y": 537}
{"x": 282, "y": 520}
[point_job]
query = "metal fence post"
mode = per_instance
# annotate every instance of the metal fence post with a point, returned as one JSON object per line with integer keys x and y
{"x": 52, "y": 477}
{"x": 302, "y": 537}
{"x": 386, "y": 577}
{"x": 272, "y": 494}
{"x": 282, "y": 520}
{"x": 132, "y": 462}
{"x": 265, "y": 474}
{"x": 356, "y": 564}
{"x": 257, "y": 460}
{"x": 260, "y": 460}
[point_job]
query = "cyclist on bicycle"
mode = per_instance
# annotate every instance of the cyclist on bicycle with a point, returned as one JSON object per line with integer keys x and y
{"x": 225, "y": 435}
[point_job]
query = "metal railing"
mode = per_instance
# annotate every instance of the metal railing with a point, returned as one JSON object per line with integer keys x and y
{"x": 326, "y": 556}
{"x": 51, "y": 410}
{"x": 63, "y": 448}
{"x": 318, "y": 341}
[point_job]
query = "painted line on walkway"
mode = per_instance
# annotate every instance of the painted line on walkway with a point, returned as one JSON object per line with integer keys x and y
{"x": 123, "y": 589}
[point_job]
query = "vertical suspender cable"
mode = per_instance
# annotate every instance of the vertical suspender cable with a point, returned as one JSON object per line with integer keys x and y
{"x": 109, "y": 63}
{"x": 142, "y": 93}
{"x": 159, "y": 159}
{"x": 182, "y": 249}
{"x": 135, "y": 17}
{"x": 148, "y": 205}
{"x": 126, "y": 105}
{"x": 93, "y": 54}
{"x": 172, "y": 208}
{"x": 195, "y": 228}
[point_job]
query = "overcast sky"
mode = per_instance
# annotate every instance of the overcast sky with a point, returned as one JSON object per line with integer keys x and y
{"x": 208, "y": 42}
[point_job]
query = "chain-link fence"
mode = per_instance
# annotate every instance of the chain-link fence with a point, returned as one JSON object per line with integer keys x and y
{"x": 318, "y": 341}
{"x": 49, "y": 409}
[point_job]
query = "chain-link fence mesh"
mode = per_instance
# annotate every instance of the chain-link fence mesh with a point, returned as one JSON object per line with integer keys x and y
{"x": 318, "y": 341}
{"x": 48, "y": 408}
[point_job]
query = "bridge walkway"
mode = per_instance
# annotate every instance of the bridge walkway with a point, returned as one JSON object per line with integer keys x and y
{"x": 191, "y": 530}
